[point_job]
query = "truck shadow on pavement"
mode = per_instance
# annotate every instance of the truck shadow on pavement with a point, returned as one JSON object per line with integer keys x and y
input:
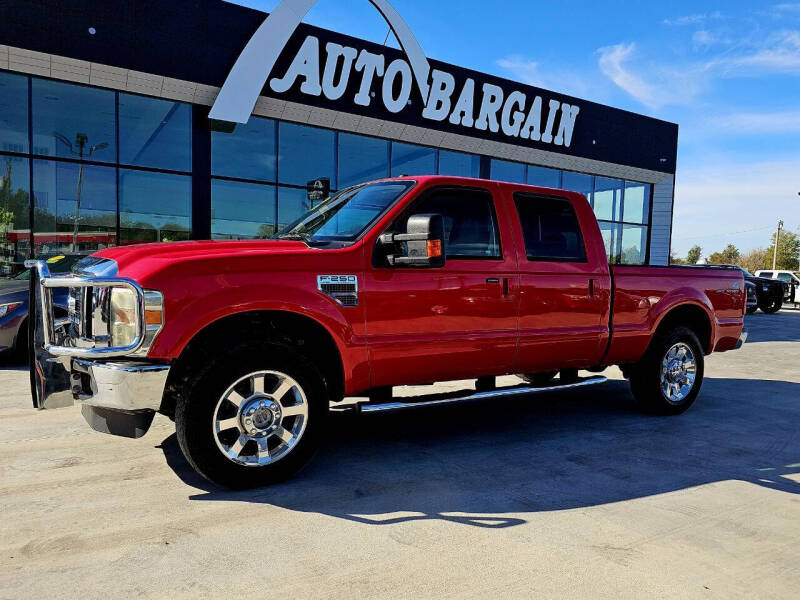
{"x": 477, "y": 463}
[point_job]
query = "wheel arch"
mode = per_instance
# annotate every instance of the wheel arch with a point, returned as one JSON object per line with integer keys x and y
{"x": 308, "y": 335}
{"x": 692, "y": 315}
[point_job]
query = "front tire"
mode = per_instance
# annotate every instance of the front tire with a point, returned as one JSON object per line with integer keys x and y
{"x": 668, "y": 378}
{"x": 253, "y": 416}
{"x": 772, "y": 306}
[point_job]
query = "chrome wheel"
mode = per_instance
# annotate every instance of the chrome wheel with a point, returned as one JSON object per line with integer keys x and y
{"x": 678, "y": 372}
{"x": 260, "y": 418}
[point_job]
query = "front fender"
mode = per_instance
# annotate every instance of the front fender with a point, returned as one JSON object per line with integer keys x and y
{"x": 189, "y": 310}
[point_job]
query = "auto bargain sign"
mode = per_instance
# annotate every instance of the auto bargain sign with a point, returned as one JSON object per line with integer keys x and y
{"x": 288, "y": 60}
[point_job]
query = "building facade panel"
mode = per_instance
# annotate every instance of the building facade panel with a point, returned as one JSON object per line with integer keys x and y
{"x": 133, "y": 128}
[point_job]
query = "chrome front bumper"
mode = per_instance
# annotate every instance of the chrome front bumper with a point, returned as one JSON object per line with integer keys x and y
{"x": 120, "y": 398}
{"x": 125, "y": 386}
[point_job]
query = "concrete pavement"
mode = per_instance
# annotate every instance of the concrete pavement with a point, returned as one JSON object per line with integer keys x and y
{"x": 566, "y": 495}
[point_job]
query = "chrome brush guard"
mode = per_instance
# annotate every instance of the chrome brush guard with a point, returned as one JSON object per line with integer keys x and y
{"x": 85, "y": 333}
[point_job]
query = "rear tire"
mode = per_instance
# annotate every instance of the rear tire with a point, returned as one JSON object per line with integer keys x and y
{"x": 772, "y": 306}
{"x": 667, "y": 380}
{"x": 253, "y": 416}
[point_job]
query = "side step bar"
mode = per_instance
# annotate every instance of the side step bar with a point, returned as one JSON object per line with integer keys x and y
{"x": 452, "y": 398}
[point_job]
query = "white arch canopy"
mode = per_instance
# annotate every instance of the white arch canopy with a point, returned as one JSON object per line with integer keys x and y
{"x": 241, "y": 89}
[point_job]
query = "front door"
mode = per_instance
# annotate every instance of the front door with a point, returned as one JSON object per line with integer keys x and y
{"x": 457, "y": 321}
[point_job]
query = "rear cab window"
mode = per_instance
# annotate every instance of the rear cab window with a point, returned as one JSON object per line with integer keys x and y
{"x": 550, "y": 228}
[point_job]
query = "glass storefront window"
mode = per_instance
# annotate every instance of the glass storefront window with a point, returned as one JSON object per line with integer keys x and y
{"x": 73, "y": 121}
{"x": 579, "y": 182}
{"x": 13, "y": 113}
{"x": 637, "y": 202}
{"x": 608, "y": 198}
{"x": 362, "y": 159}
{"x": 155, "y": 133}
{"x": 611, "y": 233}
{"x": 305, "y": 153}
{"x": 634, "y": 244}
{"x": 14, "y": 226}
{"x": 459, "y": 164}
{"x": 75, "y": 207}
{"x": 408, "y": 159}
{"x": 248, "y": 152}
{"x": 544, "y": 177}
{"x": 292, "y": 204}
{"x": 503, "y": 170}
{"x": 242, "y": 210}
{"x": 154, "y": 207}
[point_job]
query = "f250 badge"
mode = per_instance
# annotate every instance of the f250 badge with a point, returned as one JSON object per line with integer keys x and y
{"x": 342, "y": 288}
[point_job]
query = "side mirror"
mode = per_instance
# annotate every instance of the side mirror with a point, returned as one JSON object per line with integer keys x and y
{"x": 421, "y": 246}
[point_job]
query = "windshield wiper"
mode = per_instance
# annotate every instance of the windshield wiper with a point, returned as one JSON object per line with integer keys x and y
{"x": 303, "y": 237}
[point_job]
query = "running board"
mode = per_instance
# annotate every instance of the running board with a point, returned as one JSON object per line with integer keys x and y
{"x": 442, "y": 399}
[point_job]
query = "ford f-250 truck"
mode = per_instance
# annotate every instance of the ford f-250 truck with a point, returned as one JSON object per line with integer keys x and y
{"x": 412, "y": 280}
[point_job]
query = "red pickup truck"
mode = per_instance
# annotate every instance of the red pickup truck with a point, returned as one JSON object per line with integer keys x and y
{"x": 247, "y": 345}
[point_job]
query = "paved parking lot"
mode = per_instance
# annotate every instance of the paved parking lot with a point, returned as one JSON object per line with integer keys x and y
{"x": 566, "y": 495}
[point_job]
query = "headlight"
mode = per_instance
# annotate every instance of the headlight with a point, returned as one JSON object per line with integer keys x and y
{"x": 9, "y": 308}
{"x": 123, "y": 317}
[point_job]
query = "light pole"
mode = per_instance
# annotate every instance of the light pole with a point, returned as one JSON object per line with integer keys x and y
{"x": 777, "y": 241}
{"x": 81, "y": 140}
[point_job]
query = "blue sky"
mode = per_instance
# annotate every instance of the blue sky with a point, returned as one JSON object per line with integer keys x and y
{"x": 727, "y": 72}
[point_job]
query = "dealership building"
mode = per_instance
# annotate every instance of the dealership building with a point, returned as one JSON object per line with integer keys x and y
{"x": 135, "y": 121}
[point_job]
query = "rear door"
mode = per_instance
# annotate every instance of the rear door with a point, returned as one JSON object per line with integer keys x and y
{"x": 564, "y": 283}
{"x": 457, "y": 321}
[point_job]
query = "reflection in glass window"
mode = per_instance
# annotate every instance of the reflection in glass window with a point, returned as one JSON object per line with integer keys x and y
{"x": 459, "y": 164}
{"x": 248, "y": 152}
{"x": 14, "y": 227}
{"x": 544, "y": 177}
{"x": 305, "y": 153}
{"x": 608, "y": 198}
{"x": 637, "y": 202}
{"x": 611, "y": 234}
{"x": 362, "y": 159}
{"x": 292, "y": 204}
{"x": 550, "y": 229}
{"x": 408, "y": 159}
{"x": 154, "y": 207}
{"x": 242, "y": 210}
{"x": 73, "y": 121}
{"x": 579, "y": 182}
{"x": 155, "y": 133}
{"x": 470, "y": 227}
{"x": 13, "y": 113}
{"x": 74, "y": 207}
{"x": 503, "y": 170}
{"x": 634, "y": 243}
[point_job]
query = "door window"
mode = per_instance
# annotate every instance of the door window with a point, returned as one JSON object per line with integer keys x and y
{"x": 550, "y": 229}
{"x": 470, "y": 225}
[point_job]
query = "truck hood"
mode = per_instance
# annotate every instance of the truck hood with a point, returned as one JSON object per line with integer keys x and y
{"x": 127, "y": 256}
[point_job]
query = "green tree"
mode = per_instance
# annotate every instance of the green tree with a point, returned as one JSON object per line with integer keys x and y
{"x": 788, "y": 252}
{"x": 753, "y": 260}
{"x": 694, "y": 254}
{"x": 729, "y": 256}
{"x": 676, "y": 260}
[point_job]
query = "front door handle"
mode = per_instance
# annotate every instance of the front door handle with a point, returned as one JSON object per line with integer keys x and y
{"x": 492, "y": 280}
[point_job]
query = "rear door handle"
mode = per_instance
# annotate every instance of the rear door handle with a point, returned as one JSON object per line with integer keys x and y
{"x": 591, "y": 287}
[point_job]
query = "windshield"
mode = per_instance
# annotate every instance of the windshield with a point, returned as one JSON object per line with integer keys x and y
{"x": 745, "y": 271}
{"x": 345, "y": 216}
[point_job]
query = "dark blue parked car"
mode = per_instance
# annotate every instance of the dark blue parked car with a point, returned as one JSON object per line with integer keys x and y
{"x": 14, "y": 304}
